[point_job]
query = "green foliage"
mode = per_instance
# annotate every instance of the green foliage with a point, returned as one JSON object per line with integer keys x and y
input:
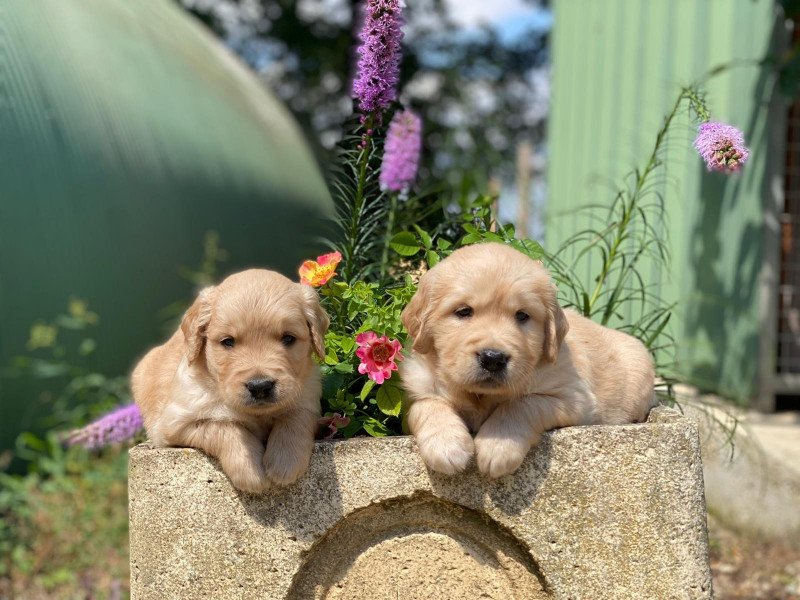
{"x": 60, "y": 351}
{"x": 476, "y": 225}
{"x": 354, "y": 309}
{"x": 361, "y": 207}
{"x": 64, "y": 527}
{"x": 788, "y": 62}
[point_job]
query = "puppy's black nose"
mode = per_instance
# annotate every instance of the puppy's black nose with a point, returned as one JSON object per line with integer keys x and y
{"x": 493, "y": 361}
{"x": 261, "y": 388}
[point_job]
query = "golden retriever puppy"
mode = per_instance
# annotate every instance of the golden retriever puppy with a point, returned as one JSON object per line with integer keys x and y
{"x": 238, "y": 373}
{"x": 494, "y": 355}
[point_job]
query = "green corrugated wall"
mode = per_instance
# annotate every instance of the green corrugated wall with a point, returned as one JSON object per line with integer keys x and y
{"x": 618, "y": 66}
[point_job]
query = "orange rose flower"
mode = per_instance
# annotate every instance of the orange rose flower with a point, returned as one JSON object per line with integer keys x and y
{"x": 318, "y": 272}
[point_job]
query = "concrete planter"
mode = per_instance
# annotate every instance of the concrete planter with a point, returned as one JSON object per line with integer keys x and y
{"x": 594, "y": 512}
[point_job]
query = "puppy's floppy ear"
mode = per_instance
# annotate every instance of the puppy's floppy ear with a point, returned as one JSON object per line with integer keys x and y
{"x": 195, "y": 322}
{"x": 416, "y": 315}
{"x": 316, "y": 318}
{"x": 555, "y": 326}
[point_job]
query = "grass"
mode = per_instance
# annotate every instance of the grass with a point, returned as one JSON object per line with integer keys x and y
{"x": 67, "y": 531}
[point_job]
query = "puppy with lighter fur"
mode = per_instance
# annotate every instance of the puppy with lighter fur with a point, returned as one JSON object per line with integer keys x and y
{"x": 238, "y": 380}
{"x": 495, "y": 356}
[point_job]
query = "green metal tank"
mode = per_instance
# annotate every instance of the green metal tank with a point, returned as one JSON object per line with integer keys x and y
{"x": 127, "y": 132}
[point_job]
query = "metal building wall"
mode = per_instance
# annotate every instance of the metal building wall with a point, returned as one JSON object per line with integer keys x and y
{"x": 618, "y": 66}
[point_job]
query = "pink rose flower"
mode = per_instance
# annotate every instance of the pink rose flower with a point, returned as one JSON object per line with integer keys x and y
{"x": 378, "y": 355}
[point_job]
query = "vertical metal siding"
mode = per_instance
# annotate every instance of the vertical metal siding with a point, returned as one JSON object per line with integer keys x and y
{"x": 617, "y": 67}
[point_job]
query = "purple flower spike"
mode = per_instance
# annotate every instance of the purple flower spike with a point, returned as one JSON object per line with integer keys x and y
{"x": 721, "y": 146}
{"x": 401, "y": 152}
{"x": 117, "y": 426}
{"x": 375, "y": 86}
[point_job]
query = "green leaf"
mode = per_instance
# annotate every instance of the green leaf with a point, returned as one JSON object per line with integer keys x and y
{"x": 331, "y": 384}
{"x": 405, "y": 243}
{"x": 45, "y": 369}
{"x": 42, "y": 336}
{"x": 353, "y": 428}
{"x": 87, "y": 347}
{"x": 343, "y": 368}
{"x": 375, "y": 428}
{"x": 424, "y": 236}
{"x": 470, "y": 228}
{"x": 347, "y": 344}
{"x": 389, "y": 399}
{"x": 530, "y": 247}
{"x": 432, "y": 258}
{"x": 443, "y": 244}
{"x": 330, "y": 357}
{"x": 367, "y": 389}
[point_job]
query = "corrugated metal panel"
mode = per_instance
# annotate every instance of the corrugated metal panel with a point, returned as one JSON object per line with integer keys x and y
{"x": 617, "y": 68}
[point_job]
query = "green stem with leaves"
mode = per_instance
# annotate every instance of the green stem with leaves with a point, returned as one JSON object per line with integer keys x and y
{"x": 629, "y": 207}
{"x": 349, "y": 270}
{"x": 388, "y": 236}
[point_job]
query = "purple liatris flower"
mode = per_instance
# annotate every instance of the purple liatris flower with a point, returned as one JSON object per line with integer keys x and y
{"x": 119, "y": 425}
{"x": 401, "y": 152}
{"x": 375, "y": 86}
{"x": 721, "y": 146}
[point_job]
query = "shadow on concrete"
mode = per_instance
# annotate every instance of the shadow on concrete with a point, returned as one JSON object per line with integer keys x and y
{"x": 511, "y": 495}
{"x": 308, "y": 508}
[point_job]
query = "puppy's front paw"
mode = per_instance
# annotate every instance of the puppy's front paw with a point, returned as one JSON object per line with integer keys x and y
{"x": 247, "y": 477}
{"x": 498, "y": 457}
{"x": 284, "y": 467}
{"x": 447, "y": 451}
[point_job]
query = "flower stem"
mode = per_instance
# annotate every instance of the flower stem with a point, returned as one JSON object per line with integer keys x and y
{"x": 388, "y": 236}
{"x": 630, "y": 206}
{"x": 349, "y": 270}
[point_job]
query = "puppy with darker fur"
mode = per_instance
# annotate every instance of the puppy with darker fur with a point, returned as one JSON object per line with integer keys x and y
{"x": 238, "y": 380}
{"x": 494, "y": 355}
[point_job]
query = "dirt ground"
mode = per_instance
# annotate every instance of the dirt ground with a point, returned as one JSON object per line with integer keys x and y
{"x": 748, "y": 569}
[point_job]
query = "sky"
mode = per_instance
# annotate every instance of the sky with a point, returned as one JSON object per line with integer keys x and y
{"x": 510, "y": 17}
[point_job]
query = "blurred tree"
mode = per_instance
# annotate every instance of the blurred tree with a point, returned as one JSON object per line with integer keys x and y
{"x": 788, "y": 64}
{"x": 481, "y": 89}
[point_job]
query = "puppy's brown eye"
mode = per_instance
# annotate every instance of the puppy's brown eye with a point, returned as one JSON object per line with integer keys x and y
{"x": 288, "y": 340}
{"x": 228, "y": 342}
{"x": 521, "y": 317}
{"x": 464, "y": 312}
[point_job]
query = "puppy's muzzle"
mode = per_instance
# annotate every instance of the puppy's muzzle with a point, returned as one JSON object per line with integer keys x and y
{"x": 493, "y": 361}
{"x": 261, "y": 390}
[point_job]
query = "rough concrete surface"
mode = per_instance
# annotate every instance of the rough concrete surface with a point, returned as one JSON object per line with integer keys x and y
{"x": 751, "y": 468}
{"x": 593, "y": 513}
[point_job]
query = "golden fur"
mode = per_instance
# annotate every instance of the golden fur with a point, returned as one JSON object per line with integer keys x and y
{"x": 562, "y": 369}
{"x": 192, "y": 391}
